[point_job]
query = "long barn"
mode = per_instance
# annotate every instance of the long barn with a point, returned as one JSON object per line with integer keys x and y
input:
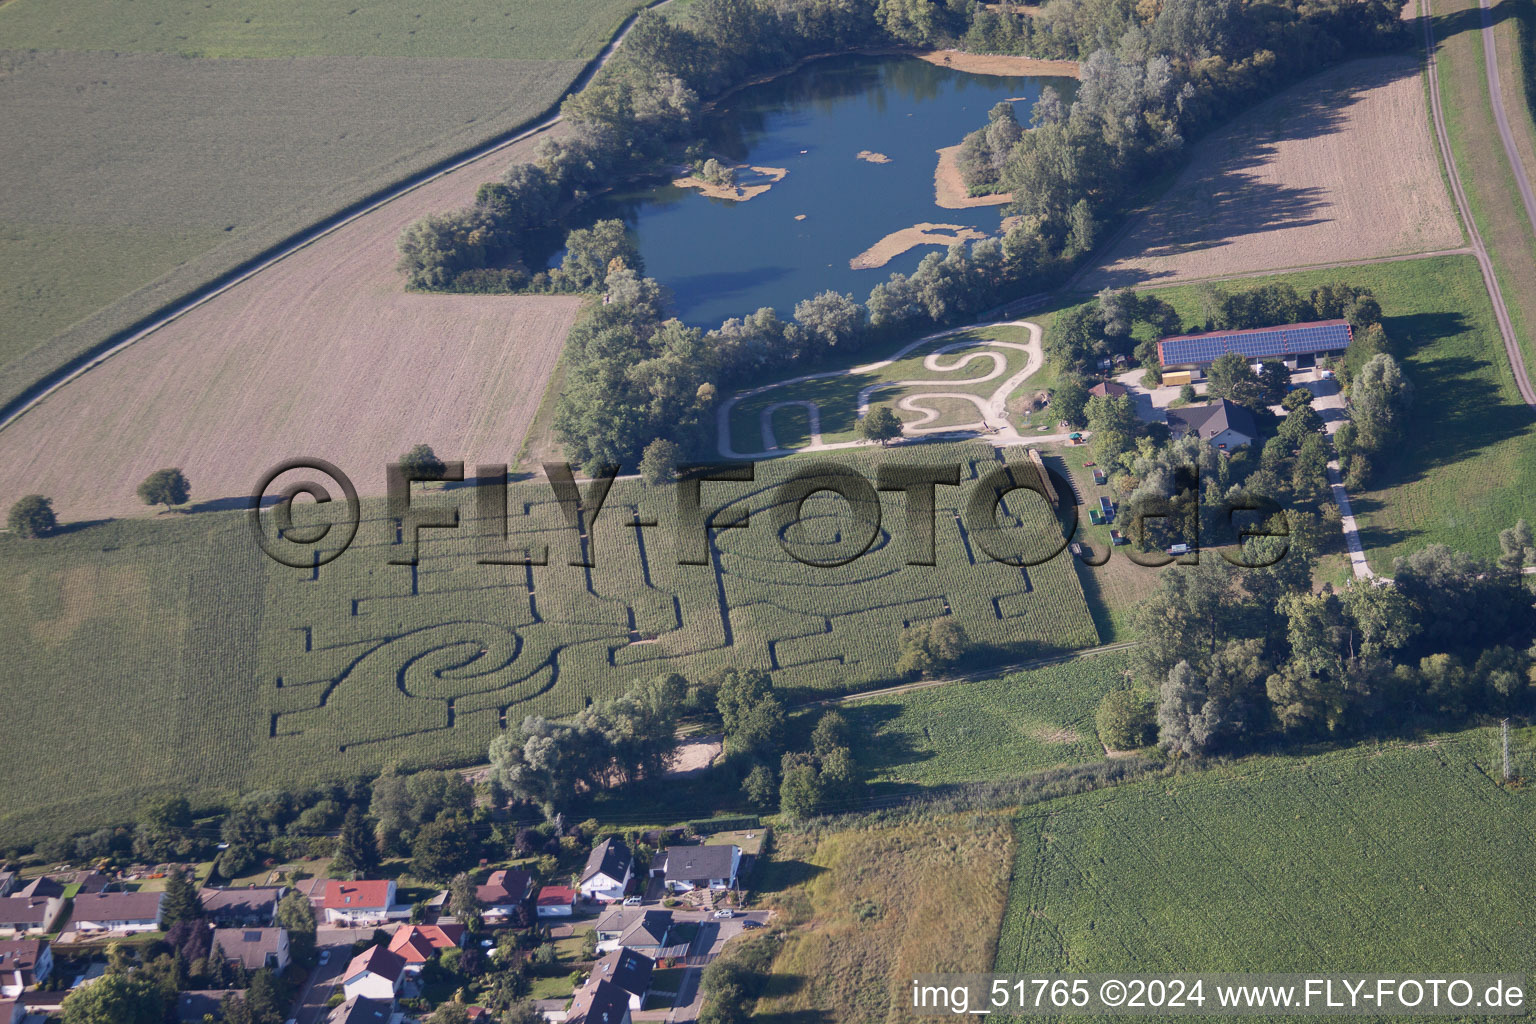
{"x": 1293, "y": 344}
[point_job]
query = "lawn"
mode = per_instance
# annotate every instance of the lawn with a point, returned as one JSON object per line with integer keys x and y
{"x": 153, "y": 146}
{"x": 875, "y": 906}
{"x": 1467, "y": 468}
{"x": 1368, "y": 860}
{"x": 836, "y": 395}
{"x": 206, "y": 668}
{"x": 984, "y": 730}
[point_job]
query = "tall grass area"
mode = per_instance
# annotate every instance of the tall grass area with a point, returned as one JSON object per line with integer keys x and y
{"x": 1368, "y": 860}
{"x": 985, "y": 730}
{"x": 1467, "y": 467}
{"x": 875, "y": 906}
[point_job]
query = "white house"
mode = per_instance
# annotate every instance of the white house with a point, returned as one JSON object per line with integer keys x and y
{"x": 360, "y": 903}
{"x": 633, "y": 928}
{"x": 629, "y": 970}
{"x": 698, "y": 867}
{"x": 23, "y": 964}
{"x": 1225, "y": 425}
{"x": 374, "y": 973}
{"x": 125, "y": 912}
{"x": 555, "y": 901}
{"x": 29, "y": 915}
{"x": 608, "y": 871}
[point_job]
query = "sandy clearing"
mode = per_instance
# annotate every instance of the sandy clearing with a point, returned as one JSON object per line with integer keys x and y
{"x": 1001, "y": 65}
{"x": 1342, "y": 166}
{"x": 949, "y": 189}
{"x": 898, "y": 242}
{"x": 693, "y": 755}
{"x": 323, "y": 354}
{"x": 735, "y": 193}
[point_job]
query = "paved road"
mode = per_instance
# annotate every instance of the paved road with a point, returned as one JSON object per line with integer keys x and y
{"x": 1490, "y": 280}
{"x": 323, "y": 980}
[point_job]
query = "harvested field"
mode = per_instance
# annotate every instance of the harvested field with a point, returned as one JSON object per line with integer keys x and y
{"x": 1000, "y": 64}
{"x": 324, "y": 354}
{"x": 949, "y": 189}
{"x": 898, "y": 242}
{"x": 1292, "y": 183}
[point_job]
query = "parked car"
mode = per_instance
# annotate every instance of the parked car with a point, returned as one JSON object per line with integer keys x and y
{"x": 726, "y": 913}
{"x": 325, "y": 956}
{"x": 632, "y": 901}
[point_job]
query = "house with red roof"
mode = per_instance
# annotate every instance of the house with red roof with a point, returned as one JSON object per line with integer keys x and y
{"x": 418, "y": 943}
{"x": 360, "y": 903}
{"x": 556, "y": 901}
{"x": 374, "y": 973}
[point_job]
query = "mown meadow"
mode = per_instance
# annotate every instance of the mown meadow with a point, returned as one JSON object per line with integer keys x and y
{"x": 208, "y": 668}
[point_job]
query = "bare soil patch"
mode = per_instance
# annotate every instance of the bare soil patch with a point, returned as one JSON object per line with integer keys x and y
{"x": 1000, "y": 64}
{"x": 898, "y": 242}
{"x": 949, "y": 189}
{"x": 1340, "y": 167}
{"x": 693, "y": 755}
{"x": 324, "y": 354}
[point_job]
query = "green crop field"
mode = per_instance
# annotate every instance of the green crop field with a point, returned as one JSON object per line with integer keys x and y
{"x": 1368, "y": 860}
{"x": 226, "y": 671}
{"x": 1467, "y": 468}
{"x": 150, "y": 146}
{"x": 836, "y": 394}
{"x": 987, "y": 729}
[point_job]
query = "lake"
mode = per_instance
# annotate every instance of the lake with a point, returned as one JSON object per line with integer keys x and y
{"x": 725, "y": 258}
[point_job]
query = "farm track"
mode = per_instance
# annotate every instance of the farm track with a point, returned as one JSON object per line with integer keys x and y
{"x": 1448, "y": 161}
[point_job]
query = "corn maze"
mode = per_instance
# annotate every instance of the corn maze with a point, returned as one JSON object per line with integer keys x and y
{"x": 369, "y": 662}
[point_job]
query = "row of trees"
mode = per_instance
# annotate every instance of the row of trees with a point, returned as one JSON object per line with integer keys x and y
{"x": 33, "y": 515}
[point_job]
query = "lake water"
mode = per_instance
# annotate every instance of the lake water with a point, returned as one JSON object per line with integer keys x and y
{"x": 723, "y": 258}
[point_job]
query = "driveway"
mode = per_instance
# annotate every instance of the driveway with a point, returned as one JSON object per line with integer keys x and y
{"x": 323, "y": 980}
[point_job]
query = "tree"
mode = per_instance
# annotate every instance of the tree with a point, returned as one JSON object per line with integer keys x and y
{"x": 180, "y": 902}
{"x": 1069, "y": 400}
{"x": 463, "y": 903}
{"x": 1516, "y": 545}
{"x": 659, "y": 463}
{"x": 264, "y": 998}
{"x": 751, "y": 714}
{"x": 880, "y": 424}
{"x": 758, "y": 786}
{"x": 32, "y": 517}
{"x": 591, "y": 253}
{"x": 441, "y": 849}
{"x": 524, "y": 1011}
{"x": 356, "y": 852}
{"x": 422, "y": 463}
{"x": 1188, "y": 394}
{"x": 1231, "y": 377}
{"x": 1274, "y": 381}
{"x": 800, "y": 792}
{"x": 166, "y": 487}
{"x": 295, "y": 913}
{"x": 931, "y": 646}
{"x": 1127, "y": 719}
{"x": 1379, "y": 400}
{"x": 449, "y": 1013}
{"x": 116, "y": 999}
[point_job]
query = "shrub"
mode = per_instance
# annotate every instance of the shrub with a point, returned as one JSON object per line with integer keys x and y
{"x": 32, "y": 516}
{"x": 1127, "y": 719}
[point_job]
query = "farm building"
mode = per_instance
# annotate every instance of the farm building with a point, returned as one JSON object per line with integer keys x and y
{"x": 1224, "y": 424}
{"x": 1293, "y": 344}
{"x": 1109, "y": 389}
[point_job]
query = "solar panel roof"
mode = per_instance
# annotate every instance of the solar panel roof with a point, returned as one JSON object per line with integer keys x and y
{"x": 1261, "y": 343}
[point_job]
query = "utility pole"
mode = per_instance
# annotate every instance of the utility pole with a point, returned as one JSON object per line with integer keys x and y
{"x": 1507, "y": 773}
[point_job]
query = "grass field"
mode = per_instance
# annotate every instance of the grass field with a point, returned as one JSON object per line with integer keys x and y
{"x": 1280, "y": 186}
{"x": 877, "y": 906}
{"x": 1467, "y": 468}
{"x": 984, "y": 730}
{"x": 152, "y": 146}
{"x": 1369, "y": 860}
{"x": 194, "y": 663}
{"x": 955, "y": 360}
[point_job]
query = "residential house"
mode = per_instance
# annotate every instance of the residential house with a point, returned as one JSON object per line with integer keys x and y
{"x": 1109, "y": 389}
{"x": 193, "y": 1006}
{"x": 23, "y": 964}
{"x": 28, "y": 915}
{"x": 254, "y": 948}
{"x": 599, "y": 1002}
{"x": 698, "y": 867}
{"x": 363, "y": 1010}
{"x": 1225, "y": 425}
{"x": 556, "y": 901}
{"x": 630, "y": 970}
{"x": 633, "y": 928}
{"x": 87, "y": 882}
{"x": 360, "y": 903}
{"x": 12, "y": 1012}
{"x": 609, "y": 869}
{"x": 502, "y": 894}
{"x": 252, "y": 907}
{"x": 374, "y": 973}
{"x": 42, "y": 887}
{"x": 9, "y": 880}
{"x": 418, "y": 943}
{"x": 127, "y": 912}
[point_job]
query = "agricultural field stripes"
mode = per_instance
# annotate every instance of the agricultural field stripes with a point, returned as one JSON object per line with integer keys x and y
{"x": 1383, "y": 859}
{"x": 291, "y": 675}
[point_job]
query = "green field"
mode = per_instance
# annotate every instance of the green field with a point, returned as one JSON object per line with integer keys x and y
{"x": 1369, "y": 860}
{"x": 836, "y": 395}
{"x": 987, "y": 729}
{"x": 1467, "y": 468}
{"x": 151, "y": 146}
{"x": 169, "y": 653}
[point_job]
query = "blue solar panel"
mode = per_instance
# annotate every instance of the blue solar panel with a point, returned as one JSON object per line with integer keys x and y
{"x": 1267, "y": 343}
